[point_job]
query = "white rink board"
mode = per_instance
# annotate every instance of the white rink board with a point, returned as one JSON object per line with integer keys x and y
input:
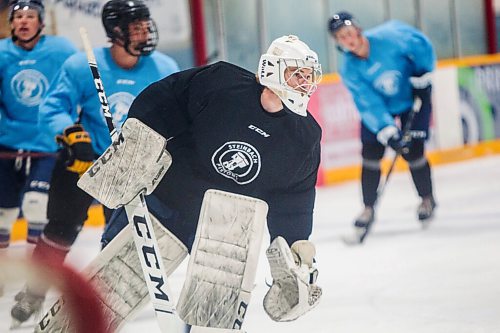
{"x": 65, "y": 17}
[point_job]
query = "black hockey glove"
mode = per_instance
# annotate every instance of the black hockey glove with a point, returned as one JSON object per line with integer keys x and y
{"x": 400, "y": 145}
{"x": 78, "y": 147}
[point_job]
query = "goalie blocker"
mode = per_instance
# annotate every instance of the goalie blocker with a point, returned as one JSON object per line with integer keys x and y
{"x": 134, "y": 163}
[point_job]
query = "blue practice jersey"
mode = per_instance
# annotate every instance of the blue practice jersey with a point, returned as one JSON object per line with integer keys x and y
{"x": 72, "y": 94}
{"x": 380, "y": 85}
{"x": 25, "y": 77}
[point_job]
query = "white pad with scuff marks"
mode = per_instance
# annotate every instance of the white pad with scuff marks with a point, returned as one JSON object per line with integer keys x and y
{"x": 223, "y": 262}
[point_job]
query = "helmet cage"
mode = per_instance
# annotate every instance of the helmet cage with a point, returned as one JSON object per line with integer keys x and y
{"x": 310, "y": 80}
{"x": 272, "y": 75}
{"x": 145, "y": 48}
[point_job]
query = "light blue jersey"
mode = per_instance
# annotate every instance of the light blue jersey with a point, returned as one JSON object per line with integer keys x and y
{"x": 380, "y": 85}
{"x": 25, "y": 77}
{"x": 73, "y": 94}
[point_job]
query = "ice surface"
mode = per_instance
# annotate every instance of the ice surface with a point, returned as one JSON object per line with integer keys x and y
{"x": 403, "y": 279}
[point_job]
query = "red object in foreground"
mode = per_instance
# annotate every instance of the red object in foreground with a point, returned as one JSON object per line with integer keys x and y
{"x": 79, "y": 295}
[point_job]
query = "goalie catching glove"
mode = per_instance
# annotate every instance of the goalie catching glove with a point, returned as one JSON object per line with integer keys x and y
{"x": 133, "y": 164}
{"x": 293, "y": 291}
{"x": 77, "y": 143}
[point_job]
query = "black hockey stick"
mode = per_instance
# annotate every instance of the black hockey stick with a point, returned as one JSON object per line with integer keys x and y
{"x": 407, "y": 135}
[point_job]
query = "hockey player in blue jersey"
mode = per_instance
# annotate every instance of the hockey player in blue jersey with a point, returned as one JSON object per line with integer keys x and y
{"x": 28, "y": 62}
{"x": 72, "y": 112}
{"x": 385, "y": 69}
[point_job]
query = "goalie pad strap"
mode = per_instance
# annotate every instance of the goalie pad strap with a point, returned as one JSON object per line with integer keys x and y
{"x": 117, "y": 275}
{"x": 135, "y": 163}
{"x": 223, "y": 262}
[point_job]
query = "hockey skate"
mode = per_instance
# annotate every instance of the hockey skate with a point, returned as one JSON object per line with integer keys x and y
{"x": 27, "y": 305}
{"x": 362, "y": 226}
{"x": 425, "y": 210}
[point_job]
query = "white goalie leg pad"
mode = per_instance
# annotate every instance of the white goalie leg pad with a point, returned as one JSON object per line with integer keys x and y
{"x": 135, "y": 163}
{"x": 293, "y": 291}
{"x": 117, "y": 275}
{"x": 223, "y": 262}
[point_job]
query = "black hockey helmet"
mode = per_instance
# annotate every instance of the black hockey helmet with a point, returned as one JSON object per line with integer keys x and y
{"x": 339, "y": 20}
{"x": 37, "y": 5}
{"x": 116, "y": 17}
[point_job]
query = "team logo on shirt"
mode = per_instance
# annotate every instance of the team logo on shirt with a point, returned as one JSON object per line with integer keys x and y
{"x": 388, "y": 82}
{"x": 238, "y": 161}
{"x": 120, "y": 103}
{"x": 29, "y": 87}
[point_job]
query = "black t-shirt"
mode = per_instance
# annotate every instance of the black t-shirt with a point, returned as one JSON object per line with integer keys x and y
{"x": 220, "y": 137}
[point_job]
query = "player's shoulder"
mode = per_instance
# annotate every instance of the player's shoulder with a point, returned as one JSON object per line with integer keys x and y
{"x": 60, "y": 42}
{"x": 4, "y": 52}
{"x": 6, "y": 47}
{"x": 306, "y": 130}
{"x": 230, "y": 68}
{"x": 76, "y": 62}
{"x": 221, "y": 71}
{"x": 391, "y": 29}
{"x": 226, "y": 73}
{"x": 4, "y": 43}
{"x": 349, "y": 66}
{"x": 162, "y": 58}
{"x": 313, "y": 126}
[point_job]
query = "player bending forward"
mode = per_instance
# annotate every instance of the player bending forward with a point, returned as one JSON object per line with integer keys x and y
{"x": 252, "y": 144}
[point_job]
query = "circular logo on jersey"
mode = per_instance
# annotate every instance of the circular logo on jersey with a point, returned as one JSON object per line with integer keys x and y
{"x": 238, "y": 161}
{"x": 119, "y": 104}
{"x": 29, "y": 86}
{"x": 388, "y": 82}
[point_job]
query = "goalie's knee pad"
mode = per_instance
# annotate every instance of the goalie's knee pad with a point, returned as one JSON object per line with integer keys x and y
{"x": 117, "y": 275}
{"x": 293, "y": 291}
{"x": 223, "y": 261}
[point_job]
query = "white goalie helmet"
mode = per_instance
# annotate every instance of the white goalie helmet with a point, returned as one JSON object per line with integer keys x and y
{"x": 288, "y": 52}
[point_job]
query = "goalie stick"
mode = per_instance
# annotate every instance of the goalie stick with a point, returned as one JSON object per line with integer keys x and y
{"x": 140, "y": 221}
{"x": 361, "y": 232}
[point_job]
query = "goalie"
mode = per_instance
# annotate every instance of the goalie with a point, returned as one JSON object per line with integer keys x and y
{"x": 238, "y": 145}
